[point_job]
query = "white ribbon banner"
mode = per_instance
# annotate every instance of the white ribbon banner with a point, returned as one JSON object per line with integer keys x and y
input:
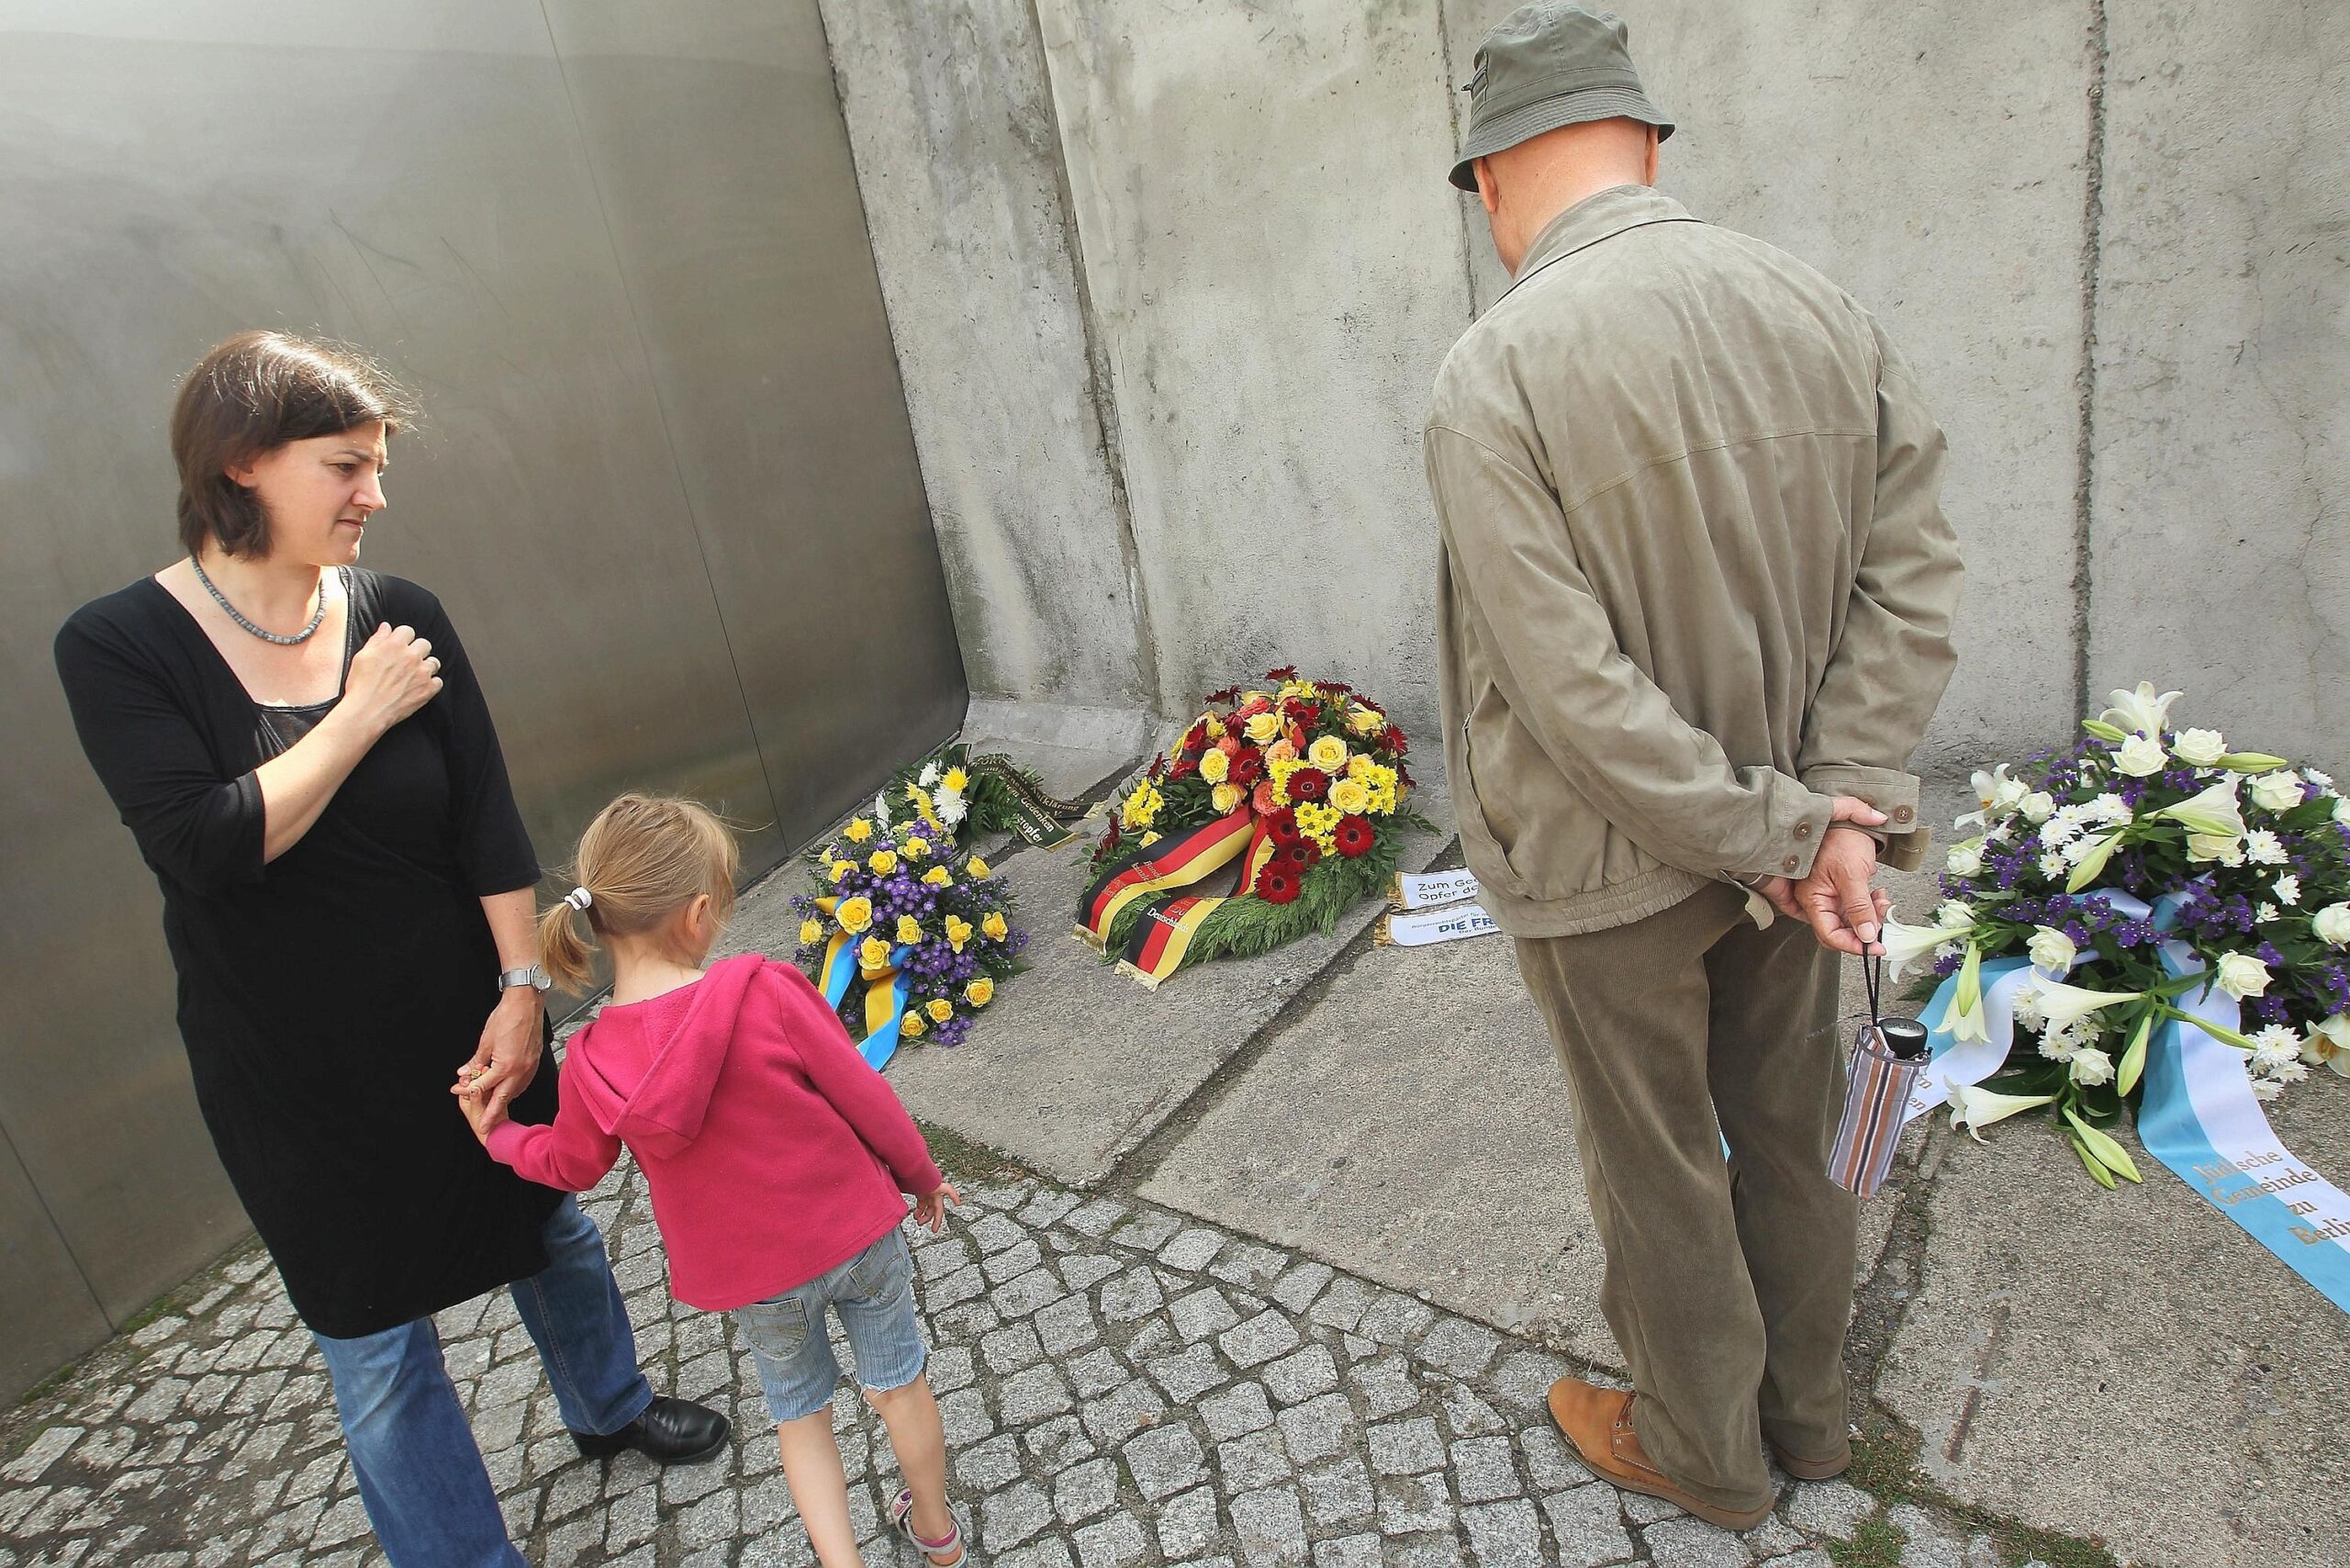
{"x": 1424, "y": 928}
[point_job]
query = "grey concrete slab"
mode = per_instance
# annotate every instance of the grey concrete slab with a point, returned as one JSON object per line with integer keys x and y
{"x": 1413, "y": 1127}
{"x": 2129, "y": 1364}
{"x": 1077, "y": 1065}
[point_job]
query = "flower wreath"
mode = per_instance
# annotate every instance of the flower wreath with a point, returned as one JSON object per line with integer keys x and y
{"x": 1304, "y": 784}
{"x": 927, "y": 927}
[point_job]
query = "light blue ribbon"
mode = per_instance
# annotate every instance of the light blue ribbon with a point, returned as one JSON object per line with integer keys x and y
{"x": 841, "y": 972}
{"x": 2175, "y": 1123}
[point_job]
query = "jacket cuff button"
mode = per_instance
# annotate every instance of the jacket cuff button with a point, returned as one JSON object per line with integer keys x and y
{"x": 1789, "y": 865}
{"x": 1902, "y": 814}
{"x": 1803, "y": 830}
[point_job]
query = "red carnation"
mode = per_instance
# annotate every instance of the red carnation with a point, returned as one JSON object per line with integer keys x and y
{"x": 1308, "y": 784}
{"x": 1282, "y": 825}
{"x": 1356, "y": 835}
{"x": 1277, "y": 883}
{"x": 1248, "y": 768}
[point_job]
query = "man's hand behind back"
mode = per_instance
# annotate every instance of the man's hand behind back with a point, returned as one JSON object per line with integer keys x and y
{"x": 1845, "y": 911}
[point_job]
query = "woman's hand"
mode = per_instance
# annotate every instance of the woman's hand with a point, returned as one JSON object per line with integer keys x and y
{"x": 930, "y": 1209}
{"x": 390, "y": 678}
{"x": 507, "y": 1057}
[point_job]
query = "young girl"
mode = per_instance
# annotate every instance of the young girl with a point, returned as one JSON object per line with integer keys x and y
{"x": 775, "y": 1155}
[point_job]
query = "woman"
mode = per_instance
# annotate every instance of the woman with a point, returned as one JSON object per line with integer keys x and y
{"x": 303, "y": 756}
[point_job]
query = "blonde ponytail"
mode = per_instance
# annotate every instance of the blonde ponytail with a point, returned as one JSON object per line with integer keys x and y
{"x": 644, "y": 858}
{"x": 562, "y": 951}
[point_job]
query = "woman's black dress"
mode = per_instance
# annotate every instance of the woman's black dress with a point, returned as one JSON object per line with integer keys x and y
{"x": 326, "y": 998}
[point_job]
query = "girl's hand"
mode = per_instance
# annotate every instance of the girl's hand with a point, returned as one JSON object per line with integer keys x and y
{"x": 390, "y": 678}
{"x": 484, "y": 1113}
{"x": 930, "y": 1209}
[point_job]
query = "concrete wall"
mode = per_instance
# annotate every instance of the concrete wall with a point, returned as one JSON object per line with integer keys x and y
{"x": 2111, "y": 246}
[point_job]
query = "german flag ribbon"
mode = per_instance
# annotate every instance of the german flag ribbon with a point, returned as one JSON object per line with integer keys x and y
{"x": 885, "y": 990}
{"x": 1173, "y": 862}
{"x": 1163, "y": 938}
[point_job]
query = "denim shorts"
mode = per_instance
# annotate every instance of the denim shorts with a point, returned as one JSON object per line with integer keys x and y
{"x": 873, "y": 1294}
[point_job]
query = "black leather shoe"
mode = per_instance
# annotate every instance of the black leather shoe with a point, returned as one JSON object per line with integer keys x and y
{"x": 671, "y": 1431}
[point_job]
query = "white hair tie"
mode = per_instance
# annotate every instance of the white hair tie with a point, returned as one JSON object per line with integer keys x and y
{"x": 578, "y": 899}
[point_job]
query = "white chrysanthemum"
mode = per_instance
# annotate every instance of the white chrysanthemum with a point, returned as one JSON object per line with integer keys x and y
{"x": 2091, "y": 1067}
{"x": 2289, "y": 890}
{"x": 929, "y": 773}
{"x": 2266, "y": 1089}
{"x": 2292, "y": 1071}
{"x": 2323, "y": 781}
{"x": 2110, "y": 809}
{"x": 2262, "y": 848}
{"x": 2081, "y": 849}
{"x": 2273, "y": 1046}
{"x": 2000, "y": 834}
{"x": 2052, "y": 866}
{"x": 2265, "y": 912}
{"x": 949, "y": 807}
{"x": 2028, "y": 1013}
{"x": 1951, "y": 950}
{"x": 2342, "y": 809}
{"x": 2060, "y": 829}
{"x": 2059, "y": 1045}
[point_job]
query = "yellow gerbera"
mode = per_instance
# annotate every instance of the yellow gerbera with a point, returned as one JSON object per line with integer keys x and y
{"x": 859, "y": 830}
{"x": 873, "y": 953}
{"x": 958, "y": 931}
{"x": 1327, "y": 753}
{"x": 1215, "y": 767}
{"x": 909, "y": 930}
{"x": 941, "y": 1009}
{"x": 995, "y": 926}
{"x": 980, "y": 991}
{"x": 911, "y": 1026}
{"x": 855, "y": 914}
{"x": 883, "y": 861}
{"x": 1351, "y": 796}
{"x": 811, "y": 933}
{"x": 976, "y": 867}
{"x": 938, "y": 877}
{"x": 1227, "y": 797}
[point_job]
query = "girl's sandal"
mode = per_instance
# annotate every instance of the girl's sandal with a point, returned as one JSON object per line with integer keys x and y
{"x": 946, "y": 1553}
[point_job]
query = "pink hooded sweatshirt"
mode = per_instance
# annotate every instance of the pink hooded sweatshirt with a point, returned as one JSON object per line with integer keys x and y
{"x": 774, "y": 1153}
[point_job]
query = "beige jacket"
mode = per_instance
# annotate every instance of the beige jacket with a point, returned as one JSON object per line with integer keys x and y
{"x": 1696, "y": 576}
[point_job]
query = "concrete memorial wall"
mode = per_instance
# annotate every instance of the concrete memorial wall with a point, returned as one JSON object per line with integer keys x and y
{"x": 1169, "y": 284}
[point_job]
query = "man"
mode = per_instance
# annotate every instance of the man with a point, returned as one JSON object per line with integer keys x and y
{"x": 1695, "y": 605}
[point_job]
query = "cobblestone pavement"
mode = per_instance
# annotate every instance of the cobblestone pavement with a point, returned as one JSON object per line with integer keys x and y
{"x": 1120, "y": 1386}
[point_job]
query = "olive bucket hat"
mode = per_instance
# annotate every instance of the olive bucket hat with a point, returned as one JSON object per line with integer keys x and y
{"x": 1546, "y": 65}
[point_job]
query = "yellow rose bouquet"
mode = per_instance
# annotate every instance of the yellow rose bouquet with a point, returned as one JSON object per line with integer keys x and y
{"x": 906, "y": 935}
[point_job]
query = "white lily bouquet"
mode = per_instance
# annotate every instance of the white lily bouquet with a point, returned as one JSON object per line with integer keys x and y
{"x": 2198, "y": 891}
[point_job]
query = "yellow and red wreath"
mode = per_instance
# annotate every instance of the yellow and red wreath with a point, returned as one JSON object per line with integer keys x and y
{"x": 1302, "y": 783}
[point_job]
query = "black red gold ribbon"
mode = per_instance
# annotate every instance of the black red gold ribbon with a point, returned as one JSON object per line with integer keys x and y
{"x": 1174, "y": 862}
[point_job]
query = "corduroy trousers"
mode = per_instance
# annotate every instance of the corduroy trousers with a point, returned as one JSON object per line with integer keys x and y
{"x": 1729, "y": 1285}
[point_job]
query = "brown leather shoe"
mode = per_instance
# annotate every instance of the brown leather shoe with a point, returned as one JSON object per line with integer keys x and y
{"x": 1813, "y": 1469}
{"x": 1598, "y": 1421}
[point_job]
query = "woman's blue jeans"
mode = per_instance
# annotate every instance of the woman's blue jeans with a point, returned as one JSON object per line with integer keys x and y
{"x": 420, "y": 1473}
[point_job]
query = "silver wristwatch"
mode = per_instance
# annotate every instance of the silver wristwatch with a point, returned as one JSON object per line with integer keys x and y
{"x": 535, "y": 977}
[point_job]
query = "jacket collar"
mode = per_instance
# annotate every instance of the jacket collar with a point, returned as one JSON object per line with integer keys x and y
{"x": 1600, "y": 216}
